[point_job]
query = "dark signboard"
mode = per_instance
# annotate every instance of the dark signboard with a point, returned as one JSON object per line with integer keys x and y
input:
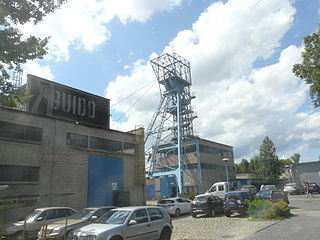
{"x": 60, "y": 101}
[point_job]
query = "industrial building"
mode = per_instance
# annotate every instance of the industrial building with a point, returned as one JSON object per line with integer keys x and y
{"x": 62, "y": 152}
{"x": 203, "y": 167}
{"x": 306, "y": 172}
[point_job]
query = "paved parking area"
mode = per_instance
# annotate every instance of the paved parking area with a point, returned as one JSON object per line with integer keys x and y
{"x": 219, "y": 227}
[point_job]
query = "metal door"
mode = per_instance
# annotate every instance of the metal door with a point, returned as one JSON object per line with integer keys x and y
{"x": 105, "y": 175}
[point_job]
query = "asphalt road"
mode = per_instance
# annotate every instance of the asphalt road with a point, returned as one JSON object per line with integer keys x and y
{"x": 304, "y": 224}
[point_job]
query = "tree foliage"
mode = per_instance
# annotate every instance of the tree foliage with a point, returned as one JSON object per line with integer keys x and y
{"x": 309, "y": 69}
{"x": 16, "y": 49}
{"x": 295, "y": 158}
{"x": 269, "y": 161}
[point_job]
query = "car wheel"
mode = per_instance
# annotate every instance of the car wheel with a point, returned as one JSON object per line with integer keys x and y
{"x": 165, "y": 234}
{"x": 116, "y": 238}
{"x": 228, "y": 214}
{"x": 193, "y": 215}
{"x": 178, "y": 212}
{"x": 212, "y": 213}
{"x": 19, "y": 236}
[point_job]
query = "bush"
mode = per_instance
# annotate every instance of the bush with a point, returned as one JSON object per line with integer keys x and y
{"x": 264, "y": 209}
{"x": 191, "y": 196}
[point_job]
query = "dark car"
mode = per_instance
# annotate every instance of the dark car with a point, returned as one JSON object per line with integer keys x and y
{"x": 235, "y": 201}
{"x": 313, "y": 187}
{"x": 206, "y": 204}
{"x": 273, "y": 196}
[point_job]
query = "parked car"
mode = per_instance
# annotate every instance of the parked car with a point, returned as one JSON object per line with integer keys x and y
{"x": 313, "y": 187}
{"x": 145, "y": 222}
{"x": 56, "y": 230}
{"x": 206, "y": 204}
{"x": 273, "y": 196}
{"x": 268, "y": 187}
{"x": 292, "y": 188}
{"x": 34, "y": 221}
{"x": 249, "y": 188}
{"x": 175, "y": 206}
{"x": 235, "y": 201}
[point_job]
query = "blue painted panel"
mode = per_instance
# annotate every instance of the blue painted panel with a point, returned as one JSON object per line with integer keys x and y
{"x": 168, "y": 186}
{"x": 104, "y": 174}
{"x": 150, "y": 192}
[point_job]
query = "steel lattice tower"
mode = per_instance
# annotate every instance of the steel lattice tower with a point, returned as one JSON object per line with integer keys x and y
{"x": 172, "y": 122}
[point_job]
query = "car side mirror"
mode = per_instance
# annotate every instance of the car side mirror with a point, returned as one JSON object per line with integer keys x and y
{"x": 93, "y": 218}
{"x": 39, "y": 218}
{"x": 132, "y": 222}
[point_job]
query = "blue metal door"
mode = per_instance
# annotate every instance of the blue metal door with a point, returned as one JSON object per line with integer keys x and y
{"x": 104, "y": 177}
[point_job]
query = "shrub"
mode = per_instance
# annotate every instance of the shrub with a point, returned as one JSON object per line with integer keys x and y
{"x": 191, "y": 196}
{"x": 264, "y": 209}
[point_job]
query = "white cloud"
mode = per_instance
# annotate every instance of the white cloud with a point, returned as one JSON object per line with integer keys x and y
{"x": 237, "y": 104}
{"x": 83, "y": 23}
{"x": 36, "y": 69}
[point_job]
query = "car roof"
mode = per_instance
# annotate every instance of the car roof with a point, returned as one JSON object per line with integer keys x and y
{"x": 131, "y": 208}
{"x": 51, "y": 208}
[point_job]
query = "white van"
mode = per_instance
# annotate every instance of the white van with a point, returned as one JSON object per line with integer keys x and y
{"x": 219, "y": 189}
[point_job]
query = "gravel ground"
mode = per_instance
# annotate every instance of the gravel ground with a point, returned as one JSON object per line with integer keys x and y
{"x": 219, "y": 227}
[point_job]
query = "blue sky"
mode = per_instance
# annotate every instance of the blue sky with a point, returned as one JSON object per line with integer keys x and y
{"x": 241, "y": 55}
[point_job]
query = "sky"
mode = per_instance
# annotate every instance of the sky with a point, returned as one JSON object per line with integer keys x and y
{"x": 241, "y": 54}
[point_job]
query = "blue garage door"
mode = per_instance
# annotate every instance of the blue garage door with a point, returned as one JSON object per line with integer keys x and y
{"x": 104, "y": 177}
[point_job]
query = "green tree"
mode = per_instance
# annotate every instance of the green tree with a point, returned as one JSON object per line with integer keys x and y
{"x": 243, "y": 166}
{"x": 255, "y": 164}
{"x": 309, "y": 69}
{"x": 269, "y": 161}
{"x": 16, "y": 50}
{"x": 295, "y": 158}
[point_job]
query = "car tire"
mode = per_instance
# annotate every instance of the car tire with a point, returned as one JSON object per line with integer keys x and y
{"x": 212, "y": 213}
{"x": 116, "y": 238}
{"x": 177, "y": 212}
{"x": 194, "y": 215}
{"x": 165, "y": 234}
{"x": 228, "y": 214}
{"x": 19, "y": 236}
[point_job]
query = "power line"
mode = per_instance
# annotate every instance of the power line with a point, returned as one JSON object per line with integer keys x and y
{"x": 132, "y": 94}
{"x": 136, "y": 101}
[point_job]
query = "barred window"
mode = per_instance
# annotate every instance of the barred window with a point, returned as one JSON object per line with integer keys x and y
{"x": 20, "y": 132}
{"x": 16, "y": 174}
{"x": 77, "y": 140}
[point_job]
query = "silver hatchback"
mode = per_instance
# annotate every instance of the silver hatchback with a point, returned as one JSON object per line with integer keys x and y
{"x": 134, "y": 223}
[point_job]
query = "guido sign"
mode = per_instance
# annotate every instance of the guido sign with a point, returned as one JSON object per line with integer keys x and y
{"x": 60, "y": 101}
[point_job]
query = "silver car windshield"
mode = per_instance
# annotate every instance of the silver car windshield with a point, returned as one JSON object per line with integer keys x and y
{"x": 83, "y": 214}
{"x": 31, "y": 215}
{"x": 115, "y": 217}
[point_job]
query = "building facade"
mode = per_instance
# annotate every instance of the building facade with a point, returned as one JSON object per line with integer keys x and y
{"x": 306, "y": 172}
{"x": 54, "y": 160}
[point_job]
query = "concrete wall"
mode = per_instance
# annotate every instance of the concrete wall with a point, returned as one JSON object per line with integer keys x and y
{"x": 63, "y": 169}
{"x": 306, "y": 172}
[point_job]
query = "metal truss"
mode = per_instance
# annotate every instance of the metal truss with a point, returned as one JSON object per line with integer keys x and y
{"x": 172, "y": 122}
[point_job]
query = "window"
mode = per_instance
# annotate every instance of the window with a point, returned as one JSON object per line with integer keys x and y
{"x": 20, "y": 132}
{"x": 140, "y": 216}
{"x": 221, "y": 187}
{"x": 105, "y": 144}
{"x": 77, "y": 140}
{"x": 13, "y": 174}
{"x": 155, "y": 214}
{"x": 129, "y": 148}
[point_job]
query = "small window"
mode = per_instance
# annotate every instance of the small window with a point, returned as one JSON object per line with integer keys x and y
{"x": 221, "y": 187}
{"x": 140, "y": 216}
{"x": 179, "y": 200}
{"x": 19, "y": 174}
{"x": 77, "y": 140}
{"x": 155, "y": 214}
